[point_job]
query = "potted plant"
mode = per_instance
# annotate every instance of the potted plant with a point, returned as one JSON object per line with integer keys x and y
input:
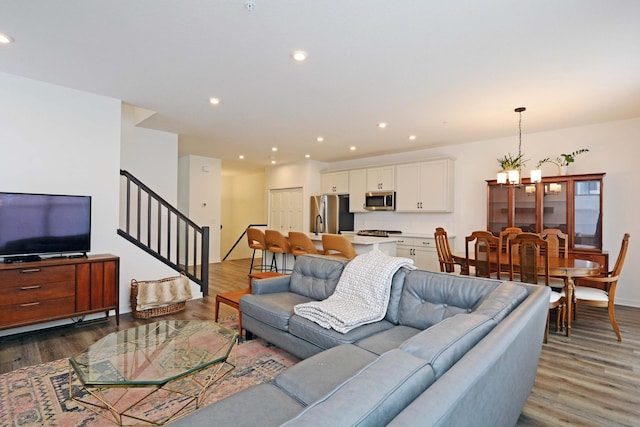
{"x": 509, "y": 162}
{"x": 563, "y": 160}
{"x": 511, "y": 167}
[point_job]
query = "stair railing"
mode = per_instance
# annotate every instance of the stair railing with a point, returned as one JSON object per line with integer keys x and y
{"x": 244, "y": 233}
{"x": 155, "y": 226}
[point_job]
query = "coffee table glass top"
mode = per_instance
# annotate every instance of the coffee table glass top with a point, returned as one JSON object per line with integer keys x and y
{"x": 154, "y": 354}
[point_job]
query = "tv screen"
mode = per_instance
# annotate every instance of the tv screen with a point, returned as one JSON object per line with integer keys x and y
{"x": 32, "y": 224}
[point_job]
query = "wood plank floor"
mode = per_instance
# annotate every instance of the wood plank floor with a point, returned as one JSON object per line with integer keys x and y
{"x": 589, "y": 379}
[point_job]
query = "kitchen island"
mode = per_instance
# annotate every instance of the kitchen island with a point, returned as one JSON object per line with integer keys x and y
{"x": 363, "y": 244}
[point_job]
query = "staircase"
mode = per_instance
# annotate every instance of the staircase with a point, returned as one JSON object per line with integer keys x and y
{"x": 158, "y": 228}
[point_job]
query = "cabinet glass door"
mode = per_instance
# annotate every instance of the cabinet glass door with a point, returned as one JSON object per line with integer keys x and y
{"x": 525, "y": 208}
{"x": 554, "y": 214}
{"x": 498, "y": 208}
{"x": 587, "y": 215}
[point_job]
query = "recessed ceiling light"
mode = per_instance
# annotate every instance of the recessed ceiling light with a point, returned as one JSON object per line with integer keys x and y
{"x": 273, "y": 162}
{"x": 412, "y": 137}
{"x": 382, "y": 125}
{"x": 319, "y": 139}
{"x": 299, "y": 55}
{"x": 241, "y": 157}
{"x": 5, "y": 39}
{"x": 214, "y": 101}
{"x": 274, "y": 149}
{"x": 352, "y": 148}
{"x": 306, "y": 156}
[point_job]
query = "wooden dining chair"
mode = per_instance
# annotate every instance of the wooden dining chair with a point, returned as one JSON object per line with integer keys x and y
{"x": 526, "y": 252}
{"x": 445, "y": 256}
{"x": 602, "y": 293}
{"x": 558, "y": 247}
{"x": 484, "y": 244}
{"x": 301, "y": 244}
{"x": 338, "y": 246}
{"x": 558, "y": 242}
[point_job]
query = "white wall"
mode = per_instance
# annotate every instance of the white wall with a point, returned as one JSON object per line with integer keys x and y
{"x": 243, "y": 203}
{"x": 199, "y": 196}
{"x": 613, "y": 149}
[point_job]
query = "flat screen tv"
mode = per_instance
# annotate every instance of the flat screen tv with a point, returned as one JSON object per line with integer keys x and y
{"x": 43, "y": 224}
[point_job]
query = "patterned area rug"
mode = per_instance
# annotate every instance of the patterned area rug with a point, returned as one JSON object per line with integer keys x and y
{"x": 39, "y": 395}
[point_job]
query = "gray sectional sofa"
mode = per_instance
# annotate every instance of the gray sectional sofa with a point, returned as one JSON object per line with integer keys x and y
{"x": 451, "y": 351}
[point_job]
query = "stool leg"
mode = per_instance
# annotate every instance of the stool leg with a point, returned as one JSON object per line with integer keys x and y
{"x": 252, "y": 261}
{"x": 274, "y": 261}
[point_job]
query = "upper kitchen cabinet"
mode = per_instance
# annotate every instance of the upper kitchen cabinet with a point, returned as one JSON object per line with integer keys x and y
{"x": 334, "y": 182}
{"x": 425, "y": 186}
{"x": 357, "y": 188}
{"x": 381, "y": 178}
{"x": 571, "y": 203}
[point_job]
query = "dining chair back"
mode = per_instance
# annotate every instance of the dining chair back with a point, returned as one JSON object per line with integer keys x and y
{"x": 338, "y": 246}
{"x": 257, "y": 241}
{"x": 484, "y": 244}
{"x": 507, "y": 234}
{"x": 301, "y": 244}
{"x": 602, "y": 291}
{"x": 445, "y": 257}
{"x": 558, "y": 242}
{"x": 526, "y": 252}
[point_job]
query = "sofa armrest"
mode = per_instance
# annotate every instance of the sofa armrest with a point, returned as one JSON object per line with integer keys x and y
{"x": 270, "y": 285}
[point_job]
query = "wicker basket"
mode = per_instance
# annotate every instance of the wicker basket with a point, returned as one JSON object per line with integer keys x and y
{"x": 155, "y": 311}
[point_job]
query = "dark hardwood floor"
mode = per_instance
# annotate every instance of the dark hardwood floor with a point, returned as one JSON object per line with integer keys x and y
{"x": 589, "y": 379}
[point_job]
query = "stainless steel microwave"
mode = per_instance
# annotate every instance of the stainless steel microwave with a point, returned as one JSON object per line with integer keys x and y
{"x": 380, "y": 201}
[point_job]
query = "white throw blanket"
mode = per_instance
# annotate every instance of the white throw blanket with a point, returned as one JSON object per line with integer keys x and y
{"x": 361, "y": 295}
{"x": 163, "y": 292}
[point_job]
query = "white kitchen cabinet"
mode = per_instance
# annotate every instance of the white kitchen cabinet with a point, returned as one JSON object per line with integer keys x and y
{"x": 381, "y": 178}
{"x": 334, "y": 182}
{"x": 357, "y": 188}
{"x": 422, "y": 250}
{"x": 425, "y": 186}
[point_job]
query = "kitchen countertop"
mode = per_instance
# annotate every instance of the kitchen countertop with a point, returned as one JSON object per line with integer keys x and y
{"x": 359, "y": 240}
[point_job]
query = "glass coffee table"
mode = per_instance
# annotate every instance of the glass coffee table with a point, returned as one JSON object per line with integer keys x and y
{"x": 152, "y": 373}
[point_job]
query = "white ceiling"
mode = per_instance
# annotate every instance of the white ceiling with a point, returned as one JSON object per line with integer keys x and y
{"x": 446, "y": 71}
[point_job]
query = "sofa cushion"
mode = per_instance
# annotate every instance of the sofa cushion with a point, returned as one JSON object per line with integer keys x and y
{"x": 315, "y": 377}
{"x": 315, "y": 276}
{"x": 387, "y": 340}
{"x": 499, "y": 303}
{"x": 272, "y": 309}
{"x": 374, "y": 396}
{"x": 443, "y": 344}
{"x": 396, "y": 292}
{"x": 327, "y": 338}
{"x": 263, "y": 404}
{"x": 429, "y": 297}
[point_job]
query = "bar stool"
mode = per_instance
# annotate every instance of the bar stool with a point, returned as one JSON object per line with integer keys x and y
{"x": 257, "y": 241}
{"x": 338, "y": 246}
{"x": 277, "y": 243}
{"x": 301, "y": 244}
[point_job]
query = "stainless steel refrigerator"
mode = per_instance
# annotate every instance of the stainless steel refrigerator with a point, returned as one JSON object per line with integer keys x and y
{"x": 330, "y": 214}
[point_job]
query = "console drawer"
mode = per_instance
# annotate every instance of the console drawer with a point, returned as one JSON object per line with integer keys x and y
{"x": 36, "y": 275}
{"x": 43, "y": 310}
{"x": 37, "y": 292}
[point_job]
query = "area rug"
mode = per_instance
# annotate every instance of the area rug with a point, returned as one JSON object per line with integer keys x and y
{"x": 39, "y": 395}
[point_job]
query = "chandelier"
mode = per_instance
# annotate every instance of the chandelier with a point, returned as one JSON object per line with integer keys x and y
{"x": 512, "y": 166}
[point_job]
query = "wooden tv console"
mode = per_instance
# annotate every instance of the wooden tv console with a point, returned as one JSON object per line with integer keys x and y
{"x": 53, "y": 289}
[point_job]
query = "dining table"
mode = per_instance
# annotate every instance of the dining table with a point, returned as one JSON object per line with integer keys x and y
{"x": 568, "y": 269}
